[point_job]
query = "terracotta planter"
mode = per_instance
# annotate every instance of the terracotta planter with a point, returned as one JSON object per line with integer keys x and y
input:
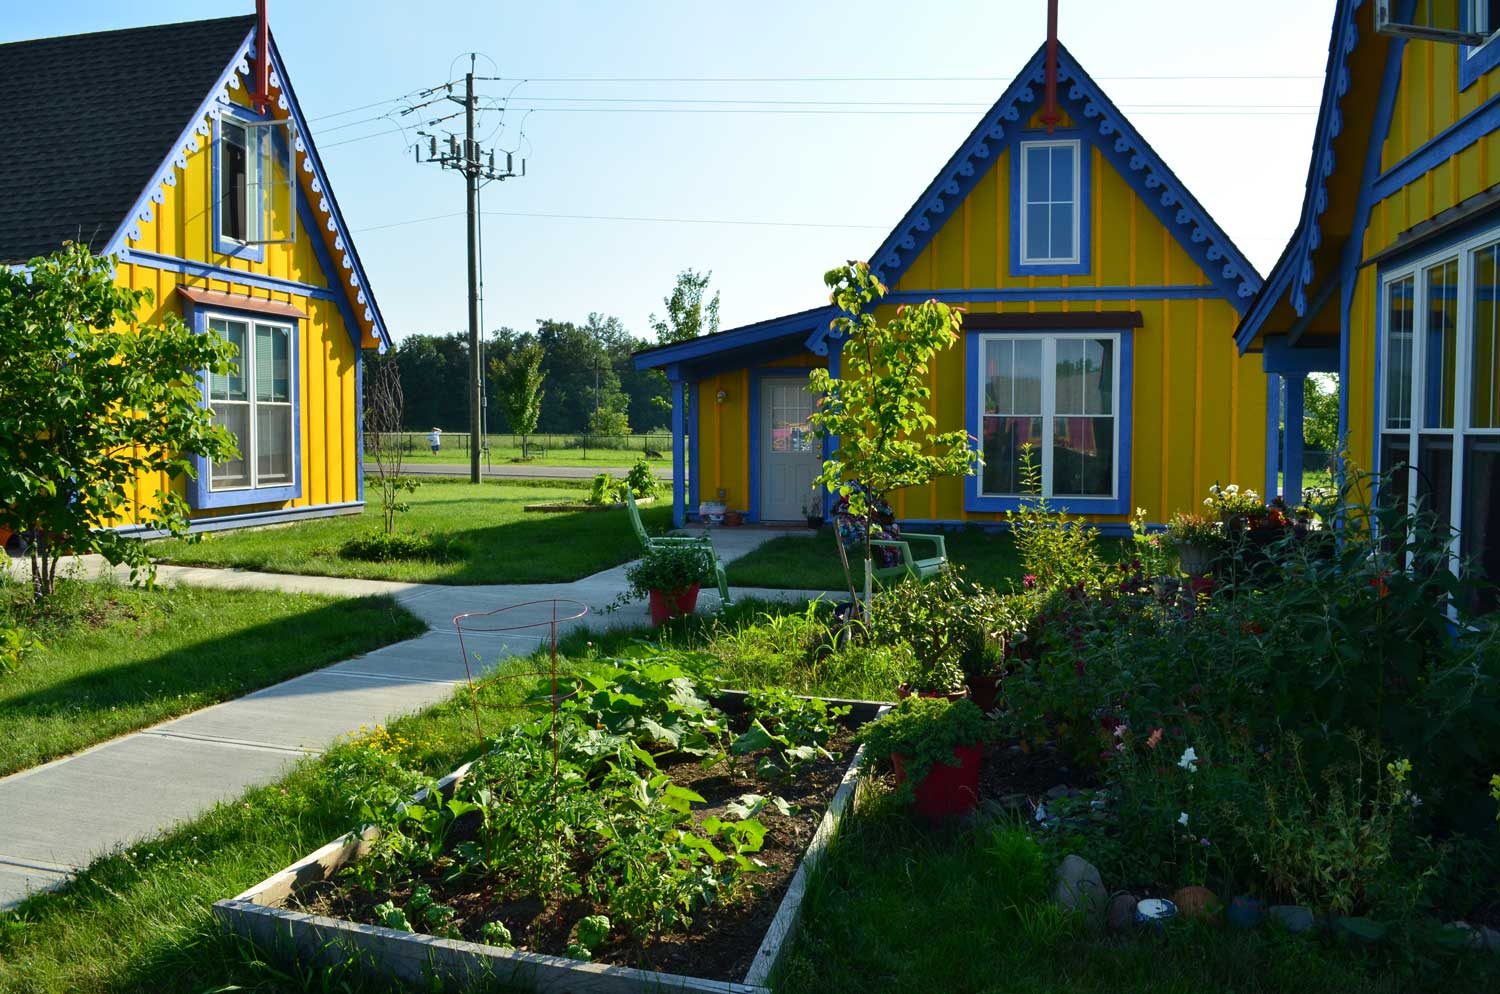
{"x": 5, "y": 534}
{"x": 666, "y": 606}
{"x": 946, "y": 790}
{"x": 733, "y": 519}
{"x": 984, "y": 691}
{"x": 904, "y": 691}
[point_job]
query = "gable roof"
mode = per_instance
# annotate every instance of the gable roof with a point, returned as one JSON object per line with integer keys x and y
{"x": 1123, "y": 148}
{"x": 160, "y": 144}
{"x": 1299, "y": 262}
{"x": 750, "y": 341}
{"x": 1106, "y": 127}
{"x": 84, "y": 120}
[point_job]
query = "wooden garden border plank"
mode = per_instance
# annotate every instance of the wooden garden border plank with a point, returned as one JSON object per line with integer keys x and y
{"x": 255, "y": 914}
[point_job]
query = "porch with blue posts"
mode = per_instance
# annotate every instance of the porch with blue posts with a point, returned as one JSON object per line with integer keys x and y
{"x": 1291, "y": 362}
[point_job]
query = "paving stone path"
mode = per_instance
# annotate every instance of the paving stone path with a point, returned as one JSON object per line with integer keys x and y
{"x": 58, "y": 817}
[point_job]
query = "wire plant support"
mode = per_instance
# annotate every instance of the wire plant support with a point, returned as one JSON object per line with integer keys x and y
{"x": 505, "y": 621}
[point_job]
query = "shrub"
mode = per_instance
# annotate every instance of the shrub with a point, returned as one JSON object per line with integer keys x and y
{"x": 1056, "y": 551}
{"x": 954, "y": 627}
{"x": 641, "y": 481}
{"x": 384, "y": 547}
{"x": 15, "y": 645}
{"x": 606, "y": 490}
{"x": 670, "y": 569}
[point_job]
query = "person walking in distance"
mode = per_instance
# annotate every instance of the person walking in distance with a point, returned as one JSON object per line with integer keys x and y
{"x": 435, "y": 439}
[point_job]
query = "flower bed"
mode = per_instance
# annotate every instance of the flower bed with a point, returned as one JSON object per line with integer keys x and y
{"x": 680, "y": 870}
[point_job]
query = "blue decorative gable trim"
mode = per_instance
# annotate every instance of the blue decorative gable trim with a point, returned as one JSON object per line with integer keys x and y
{"x": 1102, "y": 124}
{"x": 350, "y": 277}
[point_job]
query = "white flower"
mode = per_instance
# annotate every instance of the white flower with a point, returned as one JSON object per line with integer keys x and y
{"x": 1182, "y": 819}
{"x": 1233, "y": 488}
{"x": 1208, "y": 502}
{"x": 1189, "y": 761}
{"x": 1140, "y": 512}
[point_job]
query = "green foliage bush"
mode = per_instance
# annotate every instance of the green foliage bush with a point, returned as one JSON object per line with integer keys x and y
{"x": 953, "y": 627}
{"x": 384, "y": 547}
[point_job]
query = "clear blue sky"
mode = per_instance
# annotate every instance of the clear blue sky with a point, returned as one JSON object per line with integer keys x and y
{"x": 846, "y": 113}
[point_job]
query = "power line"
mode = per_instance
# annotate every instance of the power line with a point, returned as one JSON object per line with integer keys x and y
{"x": 970, "y": 104}
{"x": 875, "y": 79}
{"x": 633, "y": 219}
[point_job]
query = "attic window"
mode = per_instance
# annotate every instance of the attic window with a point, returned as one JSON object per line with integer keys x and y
{"x": 1484, "y": 18}
{"x": 255, "y": 185}
{"x": 1050, "y": 207}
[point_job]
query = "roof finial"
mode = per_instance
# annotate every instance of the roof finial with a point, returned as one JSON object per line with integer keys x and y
{"x": 1050, "y": 115}
{"x": 261, "y": 93}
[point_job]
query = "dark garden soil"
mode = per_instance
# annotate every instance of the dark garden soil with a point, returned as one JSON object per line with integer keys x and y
{"x": 723, "y": 939}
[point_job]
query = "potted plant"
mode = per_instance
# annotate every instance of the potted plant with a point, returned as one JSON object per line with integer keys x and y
{"x": 936, "y": 747}
{"x": 733, "y": 519}
{"x": 1197, "y": 540}
{"x": 669, "y": 577}
{"x": 814, "y": 516}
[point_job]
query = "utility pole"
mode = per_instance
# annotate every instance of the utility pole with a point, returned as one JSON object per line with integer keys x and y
{"x": 471, "y": 162}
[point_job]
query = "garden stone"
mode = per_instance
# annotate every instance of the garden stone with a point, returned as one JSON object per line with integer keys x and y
{"x": 1121, "y": 913}
{"x": 1480, "y": 936}
{"x": 1292, "y": 917}
{"x": 1053, "y": 793}
{"x": 1079, "y": 887}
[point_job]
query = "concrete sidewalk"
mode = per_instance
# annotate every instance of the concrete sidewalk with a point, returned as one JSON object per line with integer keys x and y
{"x": 58, "y": 817}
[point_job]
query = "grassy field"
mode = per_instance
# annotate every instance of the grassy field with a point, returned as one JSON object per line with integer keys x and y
{"x": 620, "y": 458}
{"x": 490, "y": 538}
{"x": 896, "y": 908}
{"x": 115, "y": 658}
{"x": 797, "y": 562}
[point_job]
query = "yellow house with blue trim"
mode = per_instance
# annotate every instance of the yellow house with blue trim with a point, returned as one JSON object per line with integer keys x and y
{"x": 1392, "y": 278}
{"x": 145, "y": 145}
{"x": 1101, "y": 305}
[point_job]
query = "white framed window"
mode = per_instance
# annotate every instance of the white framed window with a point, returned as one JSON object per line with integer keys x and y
{"x": 1050, "y": 194}
{"x": 255, "y": 177}
{"x": 1059, "y": 395}
{"x": 1483, "y": 18}
{"x": 255, "y": 402}
{"x": 1440, "y": 392}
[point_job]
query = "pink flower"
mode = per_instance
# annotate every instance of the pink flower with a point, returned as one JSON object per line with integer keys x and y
{"x": 1154, "y": 739}
{"x": 1029, "y": 581}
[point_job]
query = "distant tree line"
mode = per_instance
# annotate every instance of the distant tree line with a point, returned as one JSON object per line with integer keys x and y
{"x": 591, "y": 384}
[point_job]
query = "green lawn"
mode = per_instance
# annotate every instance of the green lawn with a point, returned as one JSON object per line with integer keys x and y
{"x": 115, "y": 658}
{"x": 797, "y": 562}
{"x": 511, "y": 456}
{"x": 491, "y": 538}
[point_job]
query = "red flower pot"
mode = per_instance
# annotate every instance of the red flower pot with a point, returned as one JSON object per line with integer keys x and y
{"x": 665, "y": 606}
{"x": 946, "y": 790}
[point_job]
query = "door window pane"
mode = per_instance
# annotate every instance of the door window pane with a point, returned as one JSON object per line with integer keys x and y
{"x": 234, "y": 472}
{"x": 1440, "y": 345}
{"x": 1400, "y": 314}
{"x": 1480, "y": 545}
{"x": 1484, "y": 350}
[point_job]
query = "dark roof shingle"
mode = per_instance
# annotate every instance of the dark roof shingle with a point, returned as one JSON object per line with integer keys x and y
{"x": 85, "y": 120}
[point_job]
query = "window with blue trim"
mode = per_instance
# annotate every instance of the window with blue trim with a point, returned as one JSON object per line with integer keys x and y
{"x": 1052, "y": 400}
{"x": 254, "y": 402}
{"x": 1050, "y": 211}
{"x": 1480, "y": 17}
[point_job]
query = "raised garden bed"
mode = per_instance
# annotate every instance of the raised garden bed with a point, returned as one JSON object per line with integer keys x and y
{"x": 568, "y": 507}
{"x": 307, "y": 912}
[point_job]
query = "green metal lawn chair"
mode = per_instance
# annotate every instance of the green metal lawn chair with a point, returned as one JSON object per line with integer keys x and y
{"x": 651, "y": 542}
{"x": 910, "y": 565}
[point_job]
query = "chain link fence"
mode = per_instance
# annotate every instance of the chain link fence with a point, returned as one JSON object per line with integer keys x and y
{"x": 652, "y": 445}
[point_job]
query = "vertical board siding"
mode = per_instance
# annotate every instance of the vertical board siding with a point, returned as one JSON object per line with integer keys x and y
{"x": 1199, "y": 408}
{"x": 181, "y": 227}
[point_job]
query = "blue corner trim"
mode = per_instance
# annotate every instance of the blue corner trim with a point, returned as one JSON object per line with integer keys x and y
{"x": 1453, "y": 139}
{"x": 220, "y": 244}
{"x": 1121, "y": 145}
{"x": 1273, "y": 425}
{"x": 1475, "y": 62}
{"x": 679, "y": 481}
{"x": 1083, "y": 165}
{"x": 320, "y": 252}
{"x": 1282, "y": 356}
{"x": 804, "y": 323}
{"x": 200, "y": 497}
{"x": 694, "y": 422}
{"x": 359, "y": 424}
{"x": 977, "y": 502}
